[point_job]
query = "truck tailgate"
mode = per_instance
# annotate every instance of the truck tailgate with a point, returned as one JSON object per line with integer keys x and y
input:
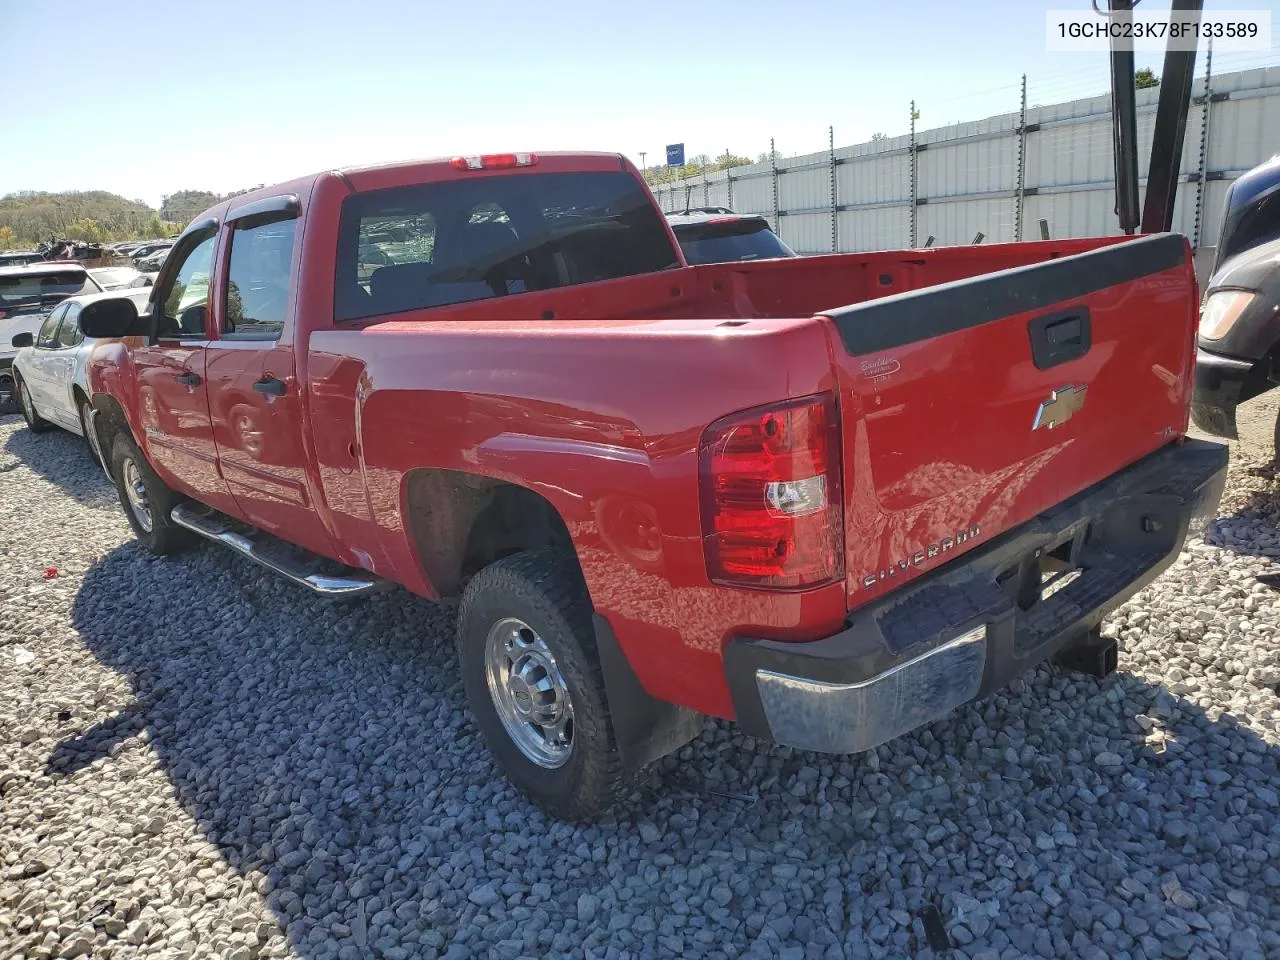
{"x": 971, "y": 407}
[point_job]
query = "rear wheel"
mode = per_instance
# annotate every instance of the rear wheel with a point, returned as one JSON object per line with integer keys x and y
{"x": 35, "y": 422}
{"x": 533, "y": 680}
{"x": 146, "y": 500}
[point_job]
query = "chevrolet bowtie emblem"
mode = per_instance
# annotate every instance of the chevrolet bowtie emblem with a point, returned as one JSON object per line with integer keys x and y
{"x": 1057, "y": 410}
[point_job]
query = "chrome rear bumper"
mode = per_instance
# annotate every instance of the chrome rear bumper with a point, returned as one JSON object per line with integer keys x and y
{"x": 967, "y": 629}
{"x": 852, "y": 717}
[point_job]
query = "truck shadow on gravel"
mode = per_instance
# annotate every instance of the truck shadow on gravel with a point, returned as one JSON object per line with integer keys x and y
{"x": 63, "y": 459}
{"x": 326, "y": 750}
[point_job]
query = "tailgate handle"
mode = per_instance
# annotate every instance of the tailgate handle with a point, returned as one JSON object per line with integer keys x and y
{"x": 1060, "y": 337}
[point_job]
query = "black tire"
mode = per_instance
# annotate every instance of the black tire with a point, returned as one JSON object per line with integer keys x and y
{"x": 35, "y": 422}
{"x": 85, "y": 427}
{"x": 8, "y": 394}
{"x": 544, "y": 589}
{"x": 161, "y": 536}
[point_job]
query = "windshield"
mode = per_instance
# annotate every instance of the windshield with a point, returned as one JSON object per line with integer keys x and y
{"x": 493, "y": 236}
{"x": 1250, "y": 224}
{"x": 33, "y": 292}
{"x": 728, "y": 241}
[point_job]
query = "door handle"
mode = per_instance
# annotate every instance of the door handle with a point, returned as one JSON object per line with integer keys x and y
{"x": 189, "y": 379}
{"x": 270, "y": 386}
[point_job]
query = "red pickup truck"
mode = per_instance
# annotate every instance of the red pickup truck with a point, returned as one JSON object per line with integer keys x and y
{"x": 831, "y": 498}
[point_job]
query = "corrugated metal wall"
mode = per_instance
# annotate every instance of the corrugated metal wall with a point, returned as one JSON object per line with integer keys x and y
{"x": 967, "y": 174}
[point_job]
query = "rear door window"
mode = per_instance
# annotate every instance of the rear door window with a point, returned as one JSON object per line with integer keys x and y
{"x": 493, "y": 236}
{"x": 258, "y": 280}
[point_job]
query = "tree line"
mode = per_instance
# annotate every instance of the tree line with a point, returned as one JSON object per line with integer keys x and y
{"x": 697, "y": 165}
{"x": 96, "y": 216}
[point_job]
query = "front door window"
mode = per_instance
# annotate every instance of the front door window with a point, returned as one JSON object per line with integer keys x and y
{"x": 185, "y": 302}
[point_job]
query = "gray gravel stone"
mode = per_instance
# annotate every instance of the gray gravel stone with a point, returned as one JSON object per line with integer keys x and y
{"x": 197, "y": 760}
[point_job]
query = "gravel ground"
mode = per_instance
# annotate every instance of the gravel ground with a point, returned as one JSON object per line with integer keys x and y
{"x": 199, "y": 761}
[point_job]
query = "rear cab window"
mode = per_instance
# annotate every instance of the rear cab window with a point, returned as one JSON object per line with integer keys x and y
{"x": 462, "y": 240}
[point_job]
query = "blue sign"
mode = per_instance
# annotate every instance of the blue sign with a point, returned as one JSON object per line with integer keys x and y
{"x": 675, "y": 154}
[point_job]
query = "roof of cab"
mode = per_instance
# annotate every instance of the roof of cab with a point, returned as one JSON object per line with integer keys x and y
{"x": 374, "y": 176}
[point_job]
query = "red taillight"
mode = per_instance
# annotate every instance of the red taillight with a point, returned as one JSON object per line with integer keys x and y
{"x": 495, "y": 161}
{"x": 772, "y": 514}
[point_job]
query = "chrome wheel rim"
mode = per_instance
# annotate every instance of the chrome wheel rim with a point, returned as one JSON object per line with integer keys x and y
{"x": 136, "y": 491}
{"x": 529, "y": 693}
{"x": 24, "y": 397}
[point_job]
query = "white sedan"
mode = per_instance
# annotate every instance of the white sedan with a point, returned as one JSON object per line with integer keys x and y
{"x": 53, "y": 388}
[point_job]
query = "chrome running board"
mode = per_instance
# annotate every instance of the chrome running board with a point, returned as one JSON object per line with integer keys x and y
{"x": 214, "y": 526}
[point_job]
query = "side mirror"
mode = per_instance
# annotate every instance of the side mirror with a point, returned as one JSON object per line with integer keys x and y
{"x": 21, "y": 340}
{"x": 111, "y": 318}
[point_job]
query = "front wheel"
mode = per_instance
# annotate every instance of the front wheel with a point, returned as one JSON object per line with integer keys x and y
{"x": 534, "y": 683}
{"x": 8, "y": 394}
{"x": 35, "y": 422}
{"x": 146, "y": 500}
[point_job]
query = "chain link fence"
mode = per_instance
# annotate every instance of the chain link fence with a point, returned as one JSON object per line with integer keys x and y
{"x": 1042, "y": 169}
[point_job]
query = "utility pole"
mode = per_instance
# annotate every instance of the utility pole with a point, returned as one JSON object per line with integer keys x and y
{"x": 643, "y": 169}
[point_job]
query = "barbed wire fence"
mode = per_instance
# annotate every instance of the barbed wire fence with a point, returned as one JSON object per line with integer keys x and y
{"x": 1026, "y": 160}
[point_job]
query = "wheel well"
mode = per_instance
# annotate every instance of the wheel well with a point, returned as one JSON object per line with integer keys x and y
{"x": 1264, "y": 376}
{"x": 461, "y": 523}
{"x": 109, "y": 422}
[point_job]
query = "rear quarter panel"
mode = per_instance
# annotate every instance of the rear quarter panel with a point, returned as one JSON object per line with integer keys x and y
{"x": 601, "y": 419}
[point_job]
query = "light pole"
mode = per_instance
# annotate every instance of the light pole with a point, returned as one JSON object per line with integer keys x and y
{"x": 643, "y": 169}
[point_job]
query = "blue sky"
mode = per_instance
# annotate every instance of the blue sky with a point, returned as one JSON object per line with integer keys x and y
{"x": 233, "y": 93}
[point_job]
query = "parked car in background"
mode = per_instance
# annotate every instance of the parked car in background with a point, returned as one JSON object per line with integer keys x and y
{"x": 20, "y": 258}
{"x": 49, "y": 367}
{"x": 115, "y": 278}
{"x": 147, "y": 249}
{"x": 717, "y": 235}
{"x": 1238, "y": 354}
{"x": 144, "y": 280}
{"x": 27, "y": 295}
{"x": 154, "y": 262}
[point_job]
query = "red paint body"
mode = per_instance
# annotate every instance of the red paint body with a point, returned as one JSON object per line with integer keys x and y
{"x": 601, "y": 410}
